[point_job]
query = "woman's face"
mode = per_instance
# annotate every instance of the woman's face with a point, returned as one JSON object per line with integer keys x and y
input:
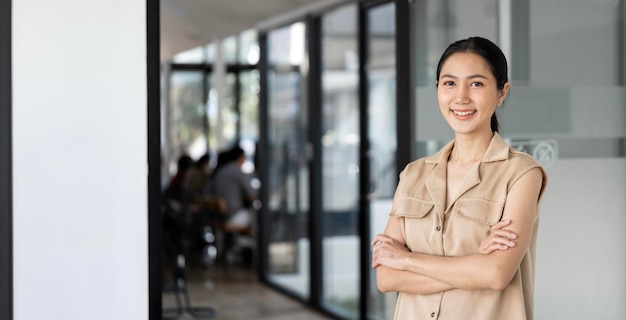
{"x": 468, "y": 93}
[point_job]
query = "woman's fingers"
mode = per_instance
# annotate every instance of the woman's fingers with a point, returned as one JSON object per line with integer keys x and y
{"x": 498, "y": 239}
{"x": 387, "y": 251}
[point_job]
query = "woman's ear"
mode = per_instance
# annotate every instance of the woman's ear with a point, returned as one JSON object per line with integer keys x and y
{"x": 502, "y": 93}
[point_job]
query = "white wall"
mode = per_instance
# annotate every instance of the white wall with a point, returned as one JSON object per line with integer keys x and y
{"x": 80, "y": 159}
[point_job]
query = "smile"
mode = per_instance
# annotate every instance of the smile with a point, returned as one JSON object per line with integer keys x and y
{"x": 464, "y": 113}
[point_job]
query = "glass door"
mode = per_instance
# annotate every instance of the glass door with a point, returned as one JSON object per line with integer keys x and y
{"x": 381, "y": 134}
{"x": 340, "y": 161}
{"x": 288, "y": 178}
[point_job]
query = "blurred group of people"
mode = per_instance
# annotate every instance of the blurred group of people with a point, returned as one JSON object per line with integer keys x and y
{"x": 212, "y": 207}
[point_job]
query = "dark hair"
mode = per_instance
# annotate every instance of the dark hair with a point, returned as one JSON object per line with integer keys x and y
{"x": 203, "y": 160}
{"x": 184, "y": 162}
{"x": 227, "y": 156}
{"x": 491, "y": 53}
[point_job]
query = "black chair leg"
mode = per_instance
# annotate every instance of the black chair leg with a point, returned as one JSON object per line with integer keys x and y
{"x": 182, "y": 288}
{"x": 180, "y": 245}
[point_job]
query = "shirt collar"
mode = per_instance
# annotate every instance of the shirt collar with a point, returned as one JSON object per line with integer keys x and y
{"x": 498, "y": 150}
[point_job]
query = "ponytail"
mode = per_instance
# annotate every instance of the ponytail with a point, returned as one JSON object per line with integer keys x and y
{"x": 495, "y": 125}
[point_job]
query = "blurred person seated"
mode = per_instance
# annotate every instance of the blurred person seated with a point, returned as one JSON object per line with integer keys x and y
{"x": 230, "y": 183}
{"x": 174, "y": 189}
{"x": 194, "y": 182}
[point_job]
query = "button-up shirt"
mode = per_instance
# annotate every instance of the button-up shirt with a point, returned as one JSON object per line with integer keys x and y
{"x": 431, "y": 227}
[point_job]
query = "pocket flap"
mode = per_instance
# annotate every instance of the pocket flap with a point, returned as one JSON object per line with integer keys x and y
{"x": 480, "y": 210}
{"x": 413, "y": 208}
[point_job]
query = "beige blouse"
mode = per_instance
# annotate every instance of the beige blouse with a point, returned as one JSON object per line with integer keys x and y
{"x": 429, "y": 227}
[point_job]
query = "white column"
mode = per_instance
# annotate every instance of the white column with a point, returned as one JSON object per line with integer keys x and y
{"x": 80, "y": 160}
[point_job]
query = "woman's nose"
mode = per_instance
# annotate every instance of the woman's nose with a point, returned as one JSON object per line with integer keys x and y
{"x": 462, "y": 96}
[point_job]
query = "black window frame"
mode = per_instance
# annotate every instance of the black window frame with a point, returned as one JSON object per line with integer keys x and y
{"x": 6, "y": 169}
{"x": 153, "y": 70}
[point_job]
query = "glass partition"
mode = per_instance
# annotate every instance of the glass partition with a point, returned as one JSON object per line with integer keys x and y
{"x": 229, "y": 112}
{"x": 381, "y": 80}
{"x": 340, "y": 160}
{"x": 288, "y": 179}
{"x": 567, "y": 108}
{"x": 193, "y": 56}
{"x": 187, "y": 114}
{"x": 249, "y": 111}
{"x": 248, "y": 47}
{"x": 575, "y": 101}
{"x": 230, "y": 49}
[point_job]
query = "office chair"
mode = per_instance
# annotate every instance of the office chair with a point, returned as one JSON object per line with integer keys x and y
{"x": 178, "y": 233}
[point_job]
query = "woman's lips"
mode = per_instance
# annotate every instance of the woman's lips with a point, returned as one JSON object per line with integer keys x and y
{"x": 463, "y": 113}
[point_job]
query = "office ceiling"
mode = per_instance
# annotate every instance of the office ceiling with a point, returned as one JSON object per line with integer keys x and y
{"x": 187, "y": 24}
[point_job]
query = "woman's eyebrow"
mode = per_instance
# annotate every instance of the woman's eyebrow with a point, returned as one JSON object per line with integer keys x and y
{"x": 473, "y": 76}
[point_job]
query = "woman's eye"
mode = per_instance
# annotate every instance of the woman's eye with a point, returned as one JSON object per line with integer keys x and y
{"x": 476, "y": 84}
{"x": 448, "y": 83}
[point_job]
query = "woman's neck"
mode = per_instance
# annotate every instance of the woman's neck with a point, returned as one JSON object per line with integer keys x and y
{"x": 469, "y": 149}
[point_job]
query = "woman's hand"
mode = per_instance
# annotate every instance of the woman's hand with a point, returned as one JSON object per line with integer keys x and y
{"x": 499, "y": 238}
{"x": 388, "y": 252}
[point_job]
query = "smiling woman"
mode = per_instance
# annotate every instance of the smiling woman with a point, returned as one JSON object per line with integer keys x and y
{"x": 6, "y": 224}
{"x": 462, "y": 229}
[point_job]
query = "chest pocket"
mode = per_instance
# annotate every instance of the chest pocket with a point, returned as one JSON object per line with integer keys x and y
{"x": 413, "y": 208}
{"x": 418, "y": 218}
{"x": 470, "y": 224}
{"x": 480, "y": 210}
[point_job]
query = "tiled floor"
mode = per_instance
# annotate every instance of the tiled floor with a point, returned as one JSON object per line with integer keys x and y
{"x": 235, "y": 293}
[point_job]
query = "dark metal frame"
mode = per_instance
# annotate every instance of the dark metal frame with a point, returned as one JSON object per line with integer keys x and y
{"x": 153, "y": 79}
{"x": 6, "y": 164}
{"x": 621, "y": 27}
{"x": 262, "y": 168}
{"x": 622, "y": 50}
{"x": 314, "y": 97}
{"x": 404, "y": 85}
{"x": 364, "y": 161}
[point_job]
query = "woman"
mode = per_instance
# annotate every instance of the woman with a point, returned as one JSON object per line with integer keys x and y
{"x": 460, "y": 239}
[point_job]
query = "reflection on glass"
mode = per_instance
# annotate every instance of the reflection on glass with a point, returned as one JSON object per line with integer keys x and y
{"x": 340, "y": 160}
{"x": 288, "y": 178}
{"x": 382, "y": 135}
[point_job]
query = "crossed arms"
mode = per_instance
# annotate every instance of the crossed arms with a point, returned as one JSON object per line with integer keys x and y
{"x": 398, "y": 269}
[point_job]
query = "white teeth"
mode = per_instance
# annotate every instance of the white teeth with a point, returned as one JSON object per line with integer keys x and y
{"x": 463, "y": 113}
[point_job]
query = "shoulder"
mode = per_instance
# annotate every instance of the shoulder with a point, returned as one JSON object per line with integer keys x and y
{"x": 523, "y": 164}
{"x": 522, "y": 159}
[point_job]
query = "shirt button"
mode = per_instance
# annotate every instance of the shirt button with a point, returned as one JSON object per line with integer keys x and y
{"x": 438, "y": 228}
{"x": 432, "y": 315}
